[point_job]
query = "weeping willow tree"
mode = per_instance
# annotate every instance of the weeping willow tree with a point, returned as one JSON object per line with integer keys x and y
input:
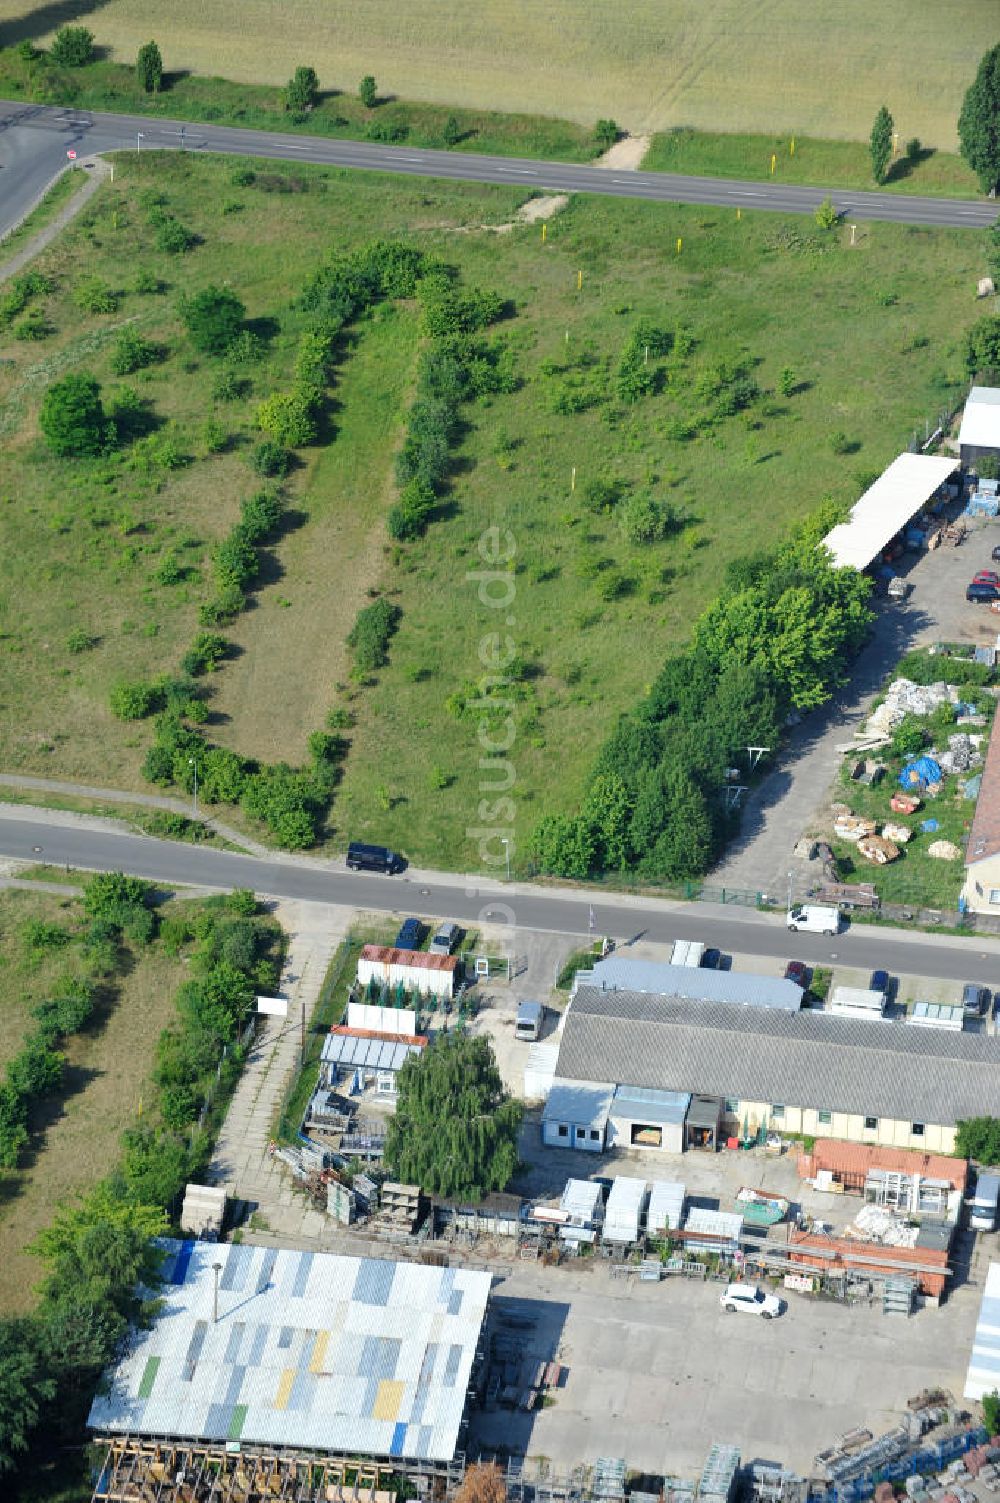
{"x": 455, "y": 1129}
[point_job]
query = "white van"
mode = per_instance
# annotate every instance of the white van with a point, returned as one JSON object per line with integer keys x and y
{"x": 813, "y": 918}
{"x": 983, "y": 1209}
{"x": 529, "y": 1021}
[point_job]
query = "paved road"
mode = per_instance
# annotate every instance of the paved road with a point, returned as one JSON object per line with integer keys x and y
{"x": 31, "y": 837}
{"x": 34, "y": 140}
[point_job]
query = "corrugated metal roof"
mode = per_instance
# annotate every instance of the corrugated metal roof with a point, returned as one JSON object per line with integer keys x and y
{"x": 652, "y": 1106}
{"x": 624, "y": 1207}
{"x": 806, "y": 1058}
{"x": 350, "y": 1050}
{"x": 578, "y": 1103}
{"x": 886, "y": 507}
{"x": 420, "y": 960}
{"x": 666, "y": 1205}
{"x": 981, "y": 418}
{"x": 856, "y": 1159}
{"x": 311, "y": 1351}
{"x": 694, "y": 983}
{"x": 714, "y": 1223}
{"x": 581, "y": 1197}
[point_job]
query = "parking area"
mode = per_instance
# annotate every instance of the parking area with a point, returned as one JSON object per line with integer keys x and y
{"x": 655, "y": 1373}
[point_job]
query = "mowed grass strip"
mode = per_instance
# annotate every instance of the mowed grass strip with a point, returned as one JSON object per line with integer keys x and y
{"x": 803, "y": 159}
{"x": 292, "y": 648}
{"x": 713, "y": 64}
{"x": 74, "y": 1135}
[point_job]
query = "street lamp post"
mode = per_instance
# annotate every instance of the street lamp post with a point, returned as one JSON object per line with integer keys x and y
{"x": 216, "y": 1269}
{"x": 506, "y": 850}
{"x": 194, "y": 763}
{"x": 138, "y": 137}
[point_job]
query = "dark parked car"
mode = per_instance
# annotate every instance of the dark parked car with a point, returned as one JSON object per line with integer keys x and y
{"x": 995, "y": 555}
{"x": 372, "y": 858}
{"x": 879, "y": 981}
{"x": 797, "y": 971}
{"x": 411, "y": 932}
{"x": 980, "y": 591}
{"x": 975, "y": 1000}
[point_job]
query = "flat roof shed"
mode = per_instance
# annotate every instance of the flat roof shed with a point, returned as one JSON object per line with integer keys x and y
{"x": 886, "y": 507}
{"x": 980, "y": 430}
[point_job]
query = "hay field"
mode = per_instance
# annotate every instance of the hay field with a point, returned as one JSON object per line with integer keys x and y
{"x": 715, "y": 64}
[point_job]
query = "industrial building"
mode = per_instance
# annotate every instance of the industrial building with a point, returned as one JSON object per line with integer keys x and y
{"x": 692, "y": 983}
{"x": 754, "y": 1068}
{"x": 302, "y": 1351}
{"x": 979, "y": 435}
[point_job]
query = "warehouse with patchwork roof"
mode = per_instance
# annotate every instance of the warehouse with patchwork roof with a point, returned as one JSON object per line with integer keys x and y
{"x": 274, "y": 1347}
{"x": 805, "y": 1072}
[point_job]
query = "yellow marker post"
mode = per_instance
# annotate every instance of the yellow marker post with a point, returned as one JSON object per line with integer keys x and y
{"x": 739, "y": 213}
{"x": 545, "y": 231}
{"x": 579, "y": 281}
{"x": 680, "y": 242}
{"x": 774, "y": 162}
{"x": 791, "y": 147}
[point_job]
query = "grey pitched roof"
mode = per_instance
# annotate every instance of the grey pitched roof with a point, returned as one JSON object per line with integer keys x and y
{"x": 884, "y": 1068}
{"x": 696, "y": 983}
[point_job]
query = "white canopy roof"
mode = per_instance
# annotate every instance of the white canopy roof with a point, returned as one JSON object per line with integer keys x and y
{"x": 981, "y": 419}
{"x": 886, "y": 507}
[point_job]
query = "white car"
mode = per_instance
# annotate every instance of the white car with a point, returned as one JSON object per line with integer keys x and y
{"x": 751, "y": 1299}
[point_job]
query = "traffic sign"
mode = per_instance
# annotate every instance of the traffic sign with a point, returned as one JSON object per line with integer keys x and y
{"x": 71, "y": 155}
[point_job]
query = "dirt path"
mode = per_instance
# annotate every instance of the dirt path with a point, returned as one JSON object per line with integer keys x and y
{"x": 98, "y": 170}
{"x": 626, "y": 155}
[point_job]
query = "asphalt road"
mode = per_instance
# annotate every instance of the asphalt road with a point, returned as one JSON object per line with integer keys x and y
{"x": 29, "y": 837}
{"x": 34, "y": 140}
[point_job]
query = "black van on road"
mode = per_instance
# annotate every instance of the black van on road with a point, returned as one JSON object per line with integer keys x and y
{"x": 373, "y": 858}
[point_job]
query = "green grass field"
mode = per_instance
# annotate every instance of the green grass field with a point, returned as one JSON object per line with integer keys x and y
{"x": 864, "y": 340}
{"x": 802, "y": 159}
{"x": 75, "y": 1136}
{"x": 712, "y": 64}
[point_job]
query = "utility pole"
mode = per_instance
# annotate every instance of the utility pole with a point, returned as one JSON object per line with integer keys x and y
{"x": 194, "y": 763}
{"x": 216, "y": 1269}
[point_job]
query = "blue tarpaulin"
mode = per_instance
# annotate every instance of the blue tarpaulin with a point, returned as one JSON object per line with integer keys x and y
{"x": 920, "y": 772}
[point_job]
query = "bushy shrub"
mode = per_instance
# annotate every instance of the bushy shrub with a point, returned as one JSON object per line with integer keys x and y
{"x": 205, "y": 653}
{"x": 131, "y": 352}
{"x": 95, "y": 296}
{"x": 173, "y": 237}
{"x": 288, "y": 418}
{"x": 371, "y": 634}
{"x": 260, "y": 515}
{"x": 213, "y": 319}
{"x": 236, "y": 560}
{"x": 72, "y": 417}
{"x": 134, "y": 700}
{"x": 73, "y": 47}
{"x": 409, "y": 517}
{"x": 271, "y": 459}
{"x": 644, "y": 518}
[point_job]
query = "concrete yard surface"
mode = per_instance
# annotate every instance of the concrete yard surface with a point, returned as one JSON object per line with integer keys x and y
{"x": 655, "y": 1373}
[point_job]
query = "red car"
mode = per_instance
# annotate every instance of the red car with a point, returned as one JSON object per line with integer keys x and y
{"x": 797, "y": 971}
{"x": 986, "y": 576}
